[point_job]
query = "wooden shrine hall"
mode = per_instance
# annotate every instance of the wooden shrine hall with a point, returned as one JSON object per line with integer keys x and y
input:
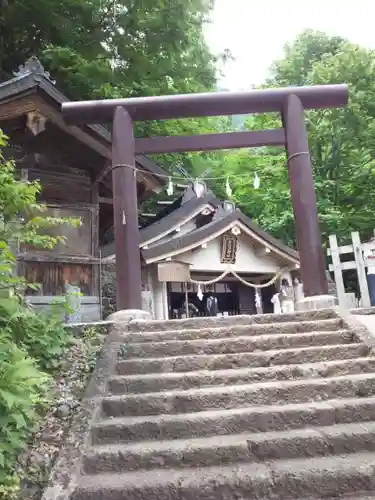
{"x": 209, "y": 236}
{"x": 71, "y": 163}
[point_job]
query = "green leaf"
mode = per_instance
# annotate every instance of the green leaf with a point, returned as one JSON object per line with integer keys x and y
{"x": 9, "y": 398}
{"x": 20, "y": 420}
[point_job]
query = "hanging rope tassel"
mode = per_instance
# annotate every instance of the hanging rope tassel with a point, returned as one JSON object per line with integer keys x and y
{"x": 228, "y": 189}
{"x": 170, "y": 187}
{"x": 256, "y": 182}
{"x": 257, "y": 299}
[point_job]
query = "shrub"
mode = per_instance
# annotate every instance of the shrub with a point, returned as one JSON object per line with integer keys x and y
{"x": 22, "y": 390}
{"x": 30, "y": 344}
{"x": 42, "y": 335}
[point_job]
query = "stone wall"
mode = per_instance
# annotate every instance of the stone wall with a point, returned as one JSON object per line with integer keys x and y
{"x": 78, "y": 329}
{"x": 147, "y": 292}
{"x": 332, "y": 290}
{"x": 108, "y": 282}
{"x": 109, "y": 290}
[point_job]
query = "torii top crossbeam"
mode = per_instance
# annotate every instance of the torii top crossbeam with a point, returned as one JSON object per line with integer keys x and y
{"x": 290, "y": 102}
{"x": 206, "y": 104}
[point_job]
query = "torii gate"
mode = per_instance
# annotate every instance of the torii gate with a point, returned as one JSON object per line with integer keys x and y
{"x": 290, "y": 102}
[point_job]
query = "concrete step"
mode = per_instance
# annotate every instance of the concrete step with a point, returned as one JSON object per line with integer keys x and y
{"x": 218, "y": 321}
{"x": 281, "y": 479}
{"x": 241, "y": 360}
{"x": 204, "y": 378}
{"x": 237, "y": 396}
{"x": 234, "y": 345}
{"x": 357, "y": 496}
{"x": 232, "y": 421}
{"x": 221, "y": 450}
{"x": 235, "y": 331}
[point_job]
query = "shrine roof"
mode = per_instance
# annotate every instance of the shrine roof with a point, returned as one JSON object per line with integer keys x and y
{"x": 32, "y": 77}
{"x": 213, "y": 229}
{"x": 180, "y": 212}
{"x": 185, "y": 212}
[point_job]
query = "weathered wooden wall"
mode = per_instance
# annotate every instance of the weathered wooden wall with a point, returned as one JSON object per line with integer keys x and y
{"x": 61, "y": 182}
{"x": 67, "y": 192}
{"x": 78, "y": 240}
{"x": 53, "y": 277}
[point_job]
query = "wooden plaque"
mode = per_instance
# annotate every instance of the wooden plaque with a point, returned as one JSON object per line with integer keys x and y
{"x": 228, "y": 249}
{"x": 173, "y": 271}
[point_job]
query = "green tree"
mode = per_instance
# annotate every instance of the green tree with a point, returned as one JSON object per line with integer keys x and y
{"x": 26, "y": 30}
{"x": 110, "y": 48}
{"x": 309, "y": 48}
{"x": 341, "y": 143}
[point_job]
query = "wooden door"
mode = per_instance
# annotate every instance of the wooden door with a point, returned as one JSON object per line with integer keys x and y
{"x": 246, "y": 296}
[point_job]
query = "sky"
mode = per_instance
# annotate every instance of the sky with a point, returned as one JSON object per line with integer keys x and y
{"x": 256, "y": 31}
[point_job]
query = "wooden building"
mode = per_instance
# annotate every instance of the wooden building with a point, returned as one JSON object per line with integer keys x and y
{"x": 210, "y": 236}
{"x": 72, "y": 164}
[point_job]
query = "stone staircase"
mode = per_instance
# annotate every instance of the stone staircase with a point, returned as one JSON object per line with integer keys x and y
{"x": 224, "y": 409}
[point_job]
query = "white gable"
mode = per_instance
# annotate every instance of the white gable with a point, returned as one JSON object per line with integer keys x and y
{"x": 250, "y": 257}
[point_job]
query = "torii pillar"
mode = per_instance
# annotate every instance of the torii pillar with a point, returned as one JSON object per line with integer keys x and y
{"x": 125, "y": 213}
{"x": 309, "y": 239}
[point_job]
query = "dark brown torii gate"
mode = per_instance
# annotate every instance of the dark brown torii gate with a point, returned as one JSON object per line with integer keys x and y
{"x": 290, "y": 102}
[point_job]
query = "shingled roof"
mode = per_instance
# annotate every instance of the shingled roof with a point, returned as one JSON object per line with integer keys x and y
{"x": 182, "y": 213}
{"x": 178, "y": 217}
{"x": 211, "y": 230}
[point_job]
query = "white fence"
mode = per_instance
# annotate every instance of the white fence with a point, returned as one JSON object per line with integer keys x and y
{"x": 356, "y": 262}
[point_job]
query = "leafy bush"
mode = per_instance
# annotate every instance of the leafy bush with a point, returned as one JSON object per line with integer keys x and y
{"x": 31, "y": 344}
{"x": 22, "y": 390}
{"x": 92, "y": 340}
{"x": 42, "y": 336}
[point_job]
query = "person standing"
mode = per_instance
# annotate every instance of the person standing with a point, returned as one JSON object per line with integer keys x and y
{"x": 275, "y": 300}
{"x": 369, "y": 255}
{"x": 212, "y": 307}
{"x": 286, "y": 297}
{"x": 298, "y": 290}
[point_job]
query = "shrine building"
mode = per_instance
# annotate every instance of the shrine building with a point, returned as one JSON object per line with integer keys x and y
{"x": 209, "y": 237}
